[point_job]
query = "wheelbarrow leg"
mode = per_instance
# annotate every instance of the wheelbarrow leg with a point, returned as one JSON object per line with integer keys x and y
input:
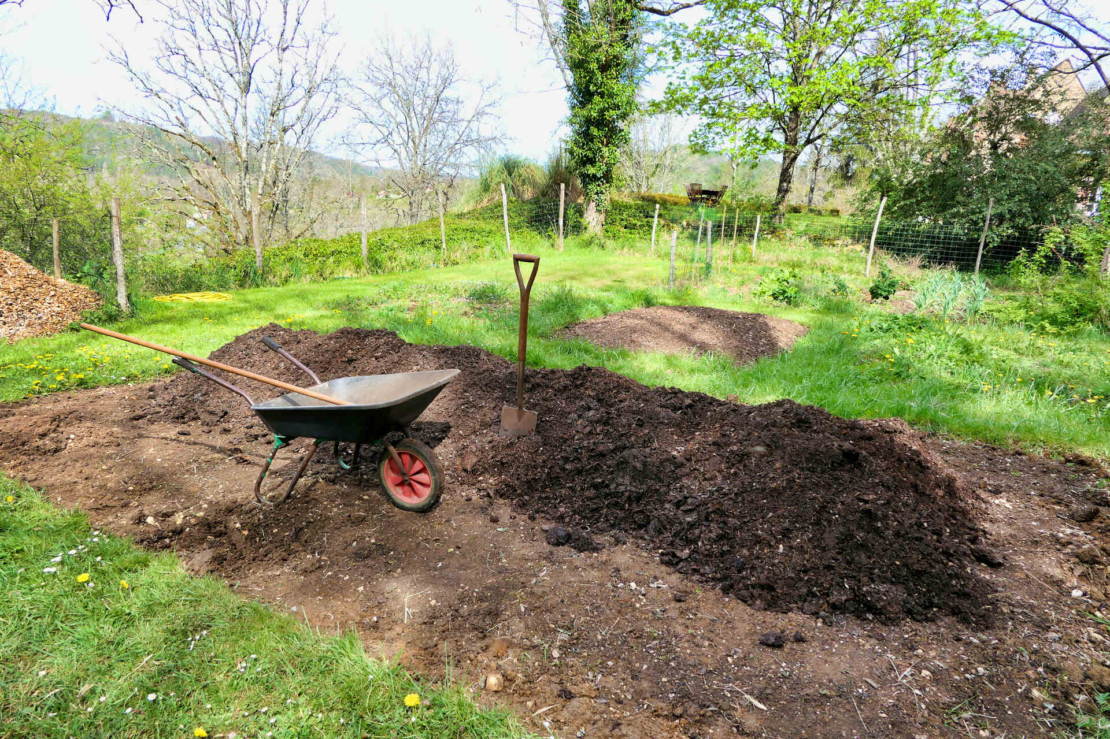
{"x": 354, "y": 459}
{"x": 279, "y": 442}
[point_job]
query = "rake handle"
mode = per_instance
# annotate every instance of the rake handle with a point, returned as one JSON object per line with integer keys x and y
{"x": 217, "y": 365}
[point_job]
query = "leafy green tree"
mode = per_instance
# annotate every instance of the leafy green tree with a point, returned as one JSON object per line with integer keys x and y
{"x": 782, "y": 75}
{"x": 1014, "y": 146}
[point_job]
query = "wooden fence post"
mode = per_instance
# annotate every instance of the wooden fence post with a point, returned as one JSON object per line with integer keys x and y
{"x": 117, "y": 257}
{"x": 654, "y": 223}
{"x": 442, "y": 228}
{"x": 1105, "y": 268}
{"x": 505, "y": 214}
{"x": 362, "y": 227}
{"x": 983, "y": 238}
{"x": 57, "y": 252}
{"x": 674, "y": 240}
{"x": 755, "y": 236}
{"x": 721, "y": 230}
{"x": 562, "y": 201}
{"x": 874, "y": 234}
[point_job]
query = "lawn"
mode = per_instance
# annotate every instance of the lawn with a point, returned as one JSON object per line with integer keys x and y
{"x": 102, "y": 640}
{"x": 980, "y": 379}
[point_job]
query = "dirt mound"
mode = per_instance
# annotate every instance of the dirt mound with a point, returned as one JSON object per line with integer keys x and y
{"x": 781, "y": 505}
{"x": 678, "y": 329}
{"x": 35, "y": 304}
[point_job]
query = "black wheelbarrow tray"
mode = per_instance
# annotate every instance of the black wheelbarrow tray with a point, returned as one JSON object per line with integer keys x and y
{"x": 376, "y": 406}
{"x": 379, "y": 405}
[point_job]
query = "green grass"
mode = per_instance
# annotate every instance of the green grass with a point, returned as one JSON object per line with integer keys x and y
{"x": 986, "y": 380}
{"x": 82, "y": 659}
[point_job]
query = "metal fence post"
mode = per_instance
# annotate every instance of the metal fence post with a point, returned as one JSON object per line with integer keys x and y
{"x": 983, "y": 238}
{"x": 562, "y": 201}
{"x": 117, "y": 257}
{"x": 674, "y": 240}
{"x": 709, "y": 247}
{"x": 874, "y": 234}
{"x": 362, "y": 226}
{"x": 701, "y": 222}
{"x": 57, "y": 252}
{"x": 505, "y": 214}
{"x": 654, "y": 223}
{"x": 755, "y": 236}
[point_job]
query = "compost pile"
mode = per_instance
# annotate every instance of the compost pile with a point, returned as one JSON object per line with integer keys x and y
{"x": 745, "y": 337}
{"x": 35, "y": 304}
{"x": 781, "y": 505}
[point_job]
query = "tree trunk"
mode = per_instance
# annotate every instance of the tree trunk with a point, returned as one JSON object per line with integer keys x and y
{"x": 790, "y": 154}
{"x": 594, "y": 217}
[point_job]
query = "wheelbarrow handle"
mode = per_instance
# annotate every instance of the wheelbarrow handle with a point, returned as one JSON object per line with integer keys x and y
{"x": 276, "y": 347}
{"x": 186, "y": 364}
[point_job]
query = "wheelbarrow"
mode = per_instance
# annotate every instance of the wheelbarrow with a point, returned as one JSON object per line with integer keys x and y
{"x": 363, "y": 411}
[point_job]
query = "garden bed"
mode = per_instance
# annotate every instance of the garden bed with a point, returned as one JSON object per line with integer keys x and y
{"x": 678, "y": 329}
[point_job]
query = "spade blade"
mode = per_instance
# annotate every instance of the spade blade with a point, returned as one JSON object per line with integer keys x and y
{"x": 517, "y": 422}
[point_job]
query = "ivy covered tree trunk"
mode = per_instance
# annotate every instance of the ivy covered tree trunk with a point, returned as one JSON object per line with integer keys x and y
{"x": 600, "y": 40}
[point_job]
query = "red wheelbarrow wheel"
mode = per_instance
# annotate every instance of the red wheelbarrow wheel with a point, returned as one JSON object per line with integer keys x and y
{"x": 425, "y": 476}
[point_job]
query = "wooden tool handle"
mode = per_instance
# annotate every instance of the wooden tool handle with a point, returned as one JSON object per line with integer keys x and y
{"x": 226, "y": 368}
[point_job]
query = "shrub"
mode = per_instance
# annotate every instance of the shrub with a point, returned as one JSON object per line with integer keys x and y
{"x": 834, "y": 212}
{"x": 782, "y": 285}
{"x": 661, "y": 198}
{"x": 884, "y": 286}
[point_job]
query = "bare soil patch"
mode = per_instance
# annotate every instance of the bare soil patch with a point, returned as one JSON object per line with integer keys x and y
{"x": 35, "y": 304}
{"x": 679, "y": 329}
{"x": 639, "y": 631}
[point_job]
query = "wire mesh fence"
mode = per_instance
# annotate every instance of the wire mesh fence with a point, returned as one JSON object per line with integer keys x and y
{"x": 704, "y": 237}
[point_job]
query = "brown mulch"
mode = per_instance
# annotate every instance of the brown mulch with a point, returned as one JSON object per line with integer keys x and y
{"x": 678, "y": 329}
{"x": 33, "y": 303}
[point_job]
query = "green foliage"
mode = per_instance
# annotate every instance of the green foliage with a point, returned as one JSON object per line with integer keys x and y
{"x": 1015, "y": 149}
{"x": 764, "y": 76}
{"x": 600, "y": 40}
{"x": 523, "y": 179}
{"x": 782, "y": 285}
{"x": 884, "y": 286}
{"x": 659, "y": 198}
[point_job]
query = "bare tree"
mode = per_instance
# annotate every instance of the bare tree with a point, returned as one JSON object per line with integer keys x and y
{"x": 421, "y": 120}
{"x": 238, "y": 91}
{"x": 1068, "y": 28}
{"x": 105, "y": 5}
{"x": 655, "y": 153}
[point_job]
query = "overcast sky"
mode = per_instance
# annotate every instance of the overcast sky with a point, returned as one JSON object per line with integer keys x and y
{"x": 62, "y": 45}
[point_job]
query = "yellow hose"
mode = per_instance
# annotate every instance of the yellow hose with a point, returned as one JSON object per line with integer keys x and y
{"x": 205, "y": 297}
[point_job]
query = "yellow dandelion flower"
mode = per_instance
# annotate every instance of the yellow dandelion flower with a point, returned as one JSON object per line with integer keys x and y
{"x": 10, "y": 498}
{"x": 200, "y": 733}
{"x": 412, "y": 700}
{"x": 83, "y": 577}
{"x": 123, "y": 584}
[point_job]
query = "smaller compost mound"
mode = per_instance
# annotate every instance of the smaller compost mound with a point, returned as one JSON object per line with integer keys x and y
{"x": 678, "y": 329}
{"x": 781, "y": 505}
{"x": 35, "y": 304}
